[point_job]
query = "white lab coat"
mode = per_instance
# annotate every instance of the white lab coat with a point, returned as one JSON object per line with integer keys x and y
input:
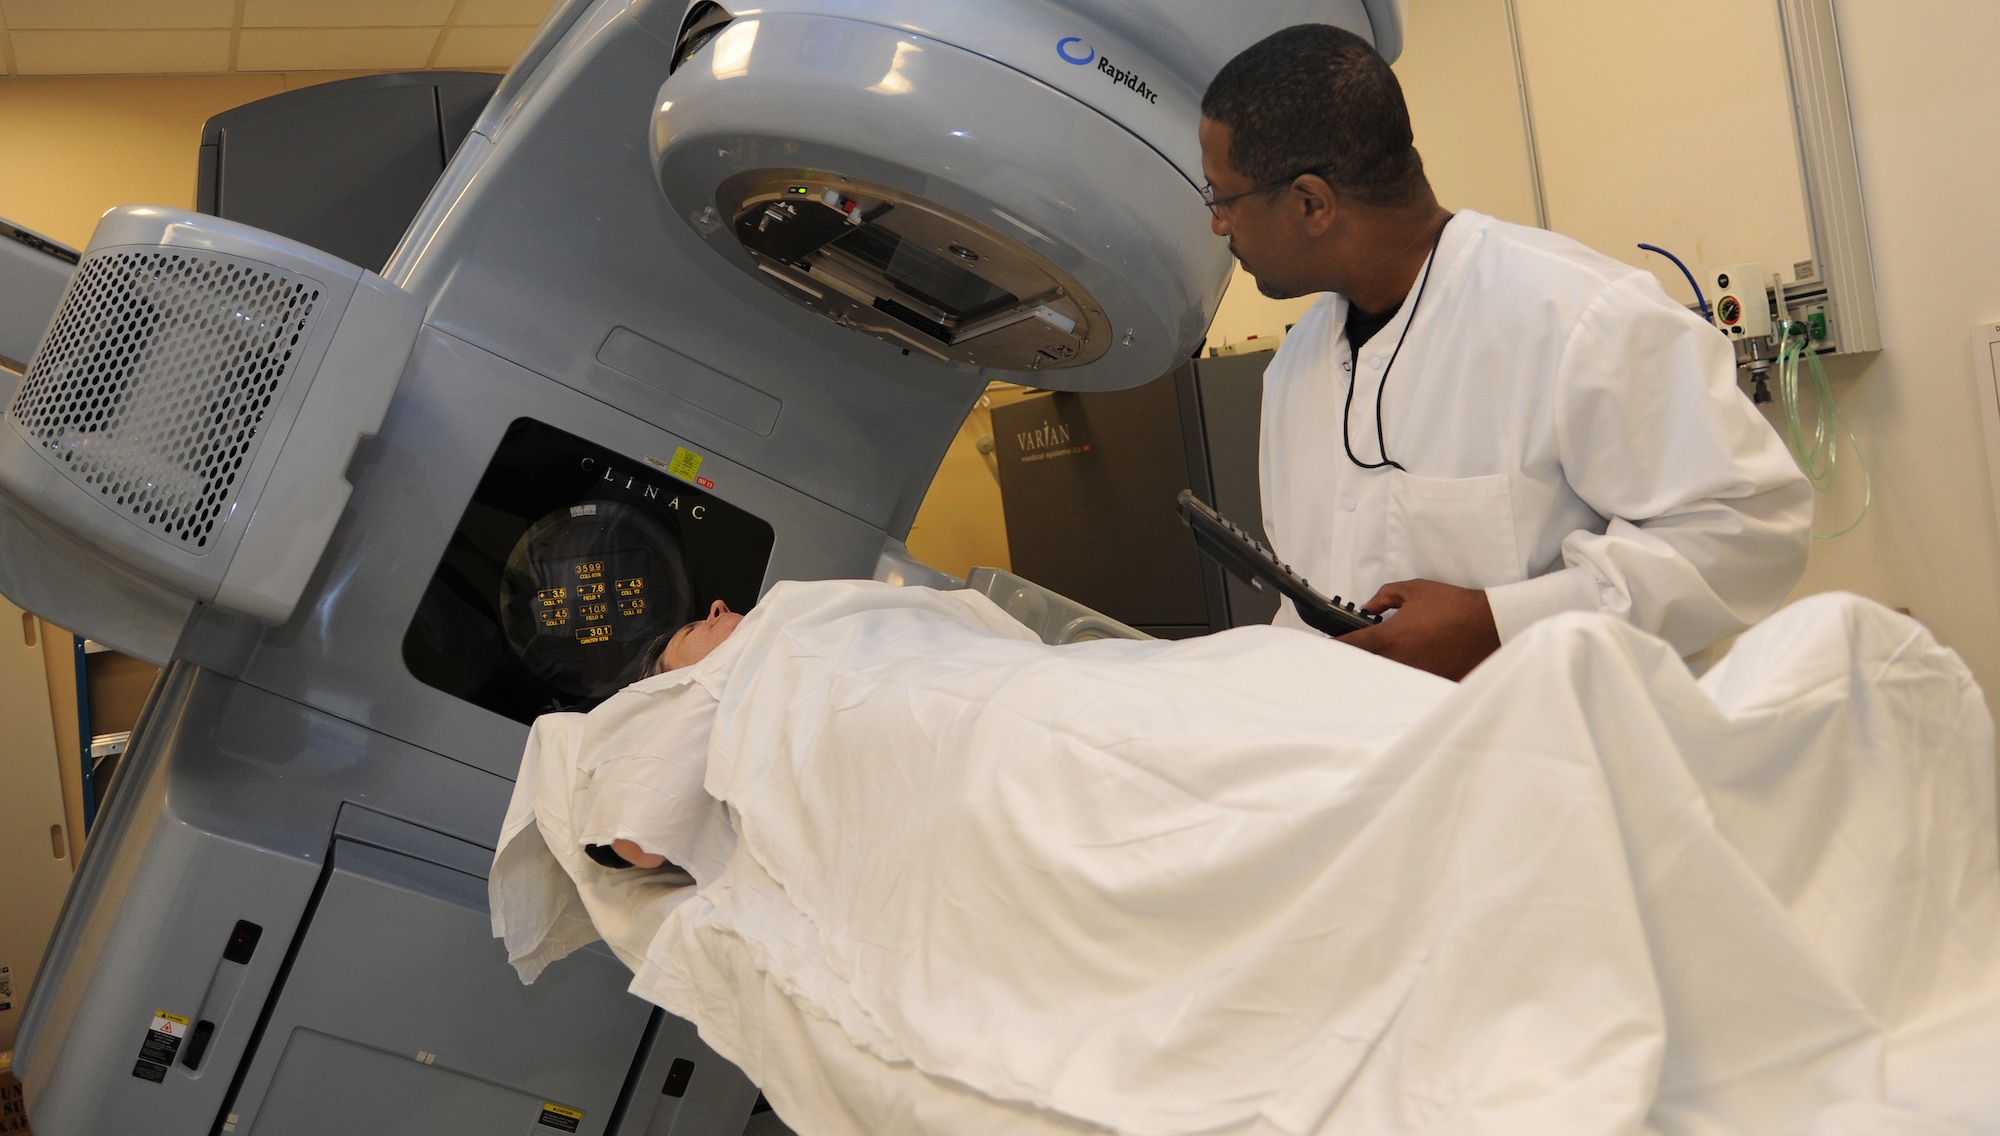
{"x": 1573, "y": 440}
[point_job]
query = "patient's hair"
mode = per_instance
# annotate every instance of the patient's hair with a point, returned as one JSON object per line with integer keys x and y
{"x": 1314, "y": 98}
{"x": 655, "y": 653}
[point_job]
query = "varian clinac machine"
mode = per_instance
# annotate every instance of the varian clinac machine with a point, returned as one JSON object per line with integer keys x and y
{"x": 697, "y": 307}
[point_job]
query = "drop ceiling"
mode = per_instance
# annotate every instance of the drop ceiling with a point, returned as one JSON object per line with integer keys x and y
{"x": 209, "y": 37}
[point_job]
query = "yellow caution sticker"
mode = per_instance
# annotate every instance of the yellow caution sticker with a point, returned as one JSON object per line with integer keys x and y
{"x": 559, "y": 1118}
{"x": 686, "y": 464}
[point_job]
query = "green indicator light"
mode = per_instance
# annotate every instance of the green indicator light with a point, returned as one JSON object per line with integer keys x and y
{"x": 799, "y": 189}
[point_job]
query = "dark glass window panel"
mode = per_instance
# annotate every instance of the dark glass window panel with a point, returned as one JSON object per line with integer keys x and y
{"x": 556, "y": 511}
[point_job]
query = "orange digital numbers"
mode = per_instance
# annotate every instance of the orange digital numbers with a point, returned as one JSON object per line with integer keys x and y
{"x": 590, "y": 570}
{"x": 589, "y": 635}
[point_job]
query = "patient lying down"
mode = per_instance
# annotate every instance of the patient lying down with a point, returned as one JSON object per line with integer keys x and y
{"x": 919, "y": 872}
{"x": 688, "y": 645}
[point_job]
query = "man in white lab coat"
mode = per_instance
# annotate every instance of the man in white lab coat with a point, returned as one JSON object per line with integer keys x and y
{"x": 1478, "y": 424}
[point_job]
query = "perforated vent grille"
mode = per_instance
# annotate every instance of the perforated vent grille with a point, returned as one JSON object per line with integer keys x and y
{"x": 154, "y": 385}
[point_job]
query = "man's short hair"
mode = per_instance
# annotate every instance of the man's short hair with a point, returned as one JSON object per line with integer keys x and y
{"x": 1314, "y": 98}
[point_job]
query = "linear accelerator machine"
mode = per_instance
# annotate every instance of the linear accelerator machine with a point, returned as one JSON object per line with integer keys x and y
{"x": 696, "y": 308}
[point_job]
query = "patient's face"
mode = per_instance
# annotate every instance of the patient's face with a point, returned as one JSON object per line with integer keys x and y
{"x": 691, "y": 644}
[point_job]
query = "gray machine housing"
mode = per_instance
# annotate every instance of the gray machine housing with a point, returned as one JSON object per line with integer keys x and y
{"x": 291, "y": 860}
{"x": 297, "y": 163}
{"x": 189, "y": 417}
{"x": 34, "y": 270}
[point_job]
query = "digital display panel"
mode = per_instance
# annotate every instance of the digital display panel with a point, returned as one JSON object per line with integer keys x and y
{"x": 567, "y": 572}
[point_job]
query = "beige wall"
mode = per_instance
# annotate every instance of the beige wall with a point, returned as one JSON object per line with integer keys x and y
{"x": 77, "y": 147}
{"x": 1687, "y": 144}
{"x": 1926, "y": 102}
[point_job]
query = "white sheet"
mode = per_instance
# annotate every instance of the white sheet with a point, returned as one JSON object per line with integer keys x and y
{"x": 630, "y": 769}
{"x": 1261, "y": 882}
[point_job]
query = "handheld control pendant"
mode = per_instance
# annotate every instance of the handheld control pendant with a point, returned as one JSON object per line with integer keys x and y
{"x": 1245, "y": 557}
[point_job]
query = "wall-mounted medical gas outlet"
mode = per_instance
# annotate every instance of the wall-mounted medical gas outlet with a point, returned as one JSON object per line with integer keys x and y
{"x": 1819, "y": 327}
{"x": 1742, "y": 306}
{"x": 1806, "y": 301}
{"x": 1809, "y": 300}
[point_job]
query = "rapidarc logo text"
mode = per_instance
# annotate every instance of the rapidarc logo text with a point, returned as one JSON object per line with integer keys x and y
{"x": 1074, "y": 51}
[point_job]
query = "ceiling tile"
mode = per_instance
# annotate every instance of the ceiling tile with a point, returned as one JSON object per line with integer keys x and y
{"x": 484, "y": 47}
{"x": 335, "y": 49}
{"x": 120, "y": 52}
{"x": 345, "y": 13}
{"x": 37, "y": 14}
{"x": 485, "y": 13}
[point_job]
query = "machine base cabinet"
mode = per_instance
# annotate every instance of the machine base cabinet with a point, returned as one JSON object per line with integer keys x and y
{"x": 258, "y": 942}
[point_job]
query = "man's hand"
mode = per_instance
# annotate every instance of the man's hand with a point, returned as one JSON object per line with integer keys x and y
{"x": 1439, "y": 628}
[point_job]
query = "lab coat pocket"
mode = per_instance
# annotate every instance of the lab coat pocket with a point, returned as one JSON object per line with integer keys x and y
{"x": 1458, "y": 531}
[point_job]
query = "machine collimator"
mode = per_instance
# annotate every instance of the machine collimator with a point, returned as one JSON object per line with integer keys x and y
{"x": 696, "y": 307}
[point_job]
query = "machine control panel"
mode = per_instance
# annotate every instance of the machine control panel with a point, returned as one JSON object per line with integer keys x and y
{"x": 568, "y": 571}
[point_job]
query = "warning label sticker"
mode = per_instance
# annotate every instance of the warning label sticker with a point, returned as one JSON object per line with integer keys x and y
{"x": 163, "y": 1041}
{"x": 559, "y": 1118}
{"x": 686, "y": 463}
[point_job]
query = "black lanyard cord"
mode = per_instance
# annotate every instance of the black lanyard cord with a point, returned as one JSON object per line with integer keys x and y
{"x": 1346, "y": 411}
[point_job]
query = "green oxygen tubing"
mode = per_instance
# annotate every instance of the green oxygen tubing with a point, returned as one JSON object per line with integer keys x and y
{"x": 1816, "y": 449}
{"x": 1819, "y": 458}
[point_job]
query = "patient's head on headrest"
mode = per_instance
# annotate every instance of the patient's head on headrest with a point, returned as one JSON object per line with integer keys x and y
{"x": 692, "y": 643}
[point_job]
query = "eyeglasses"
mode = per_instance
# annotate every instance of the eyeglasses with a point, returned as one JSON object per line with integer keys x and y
{"x": 1217, "y": 204}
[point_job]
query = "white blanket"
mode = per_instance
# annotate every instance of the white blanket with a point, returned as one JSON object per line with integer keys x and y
{"x": 631, "y": 769}
{"x": 1262, "y": 882}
